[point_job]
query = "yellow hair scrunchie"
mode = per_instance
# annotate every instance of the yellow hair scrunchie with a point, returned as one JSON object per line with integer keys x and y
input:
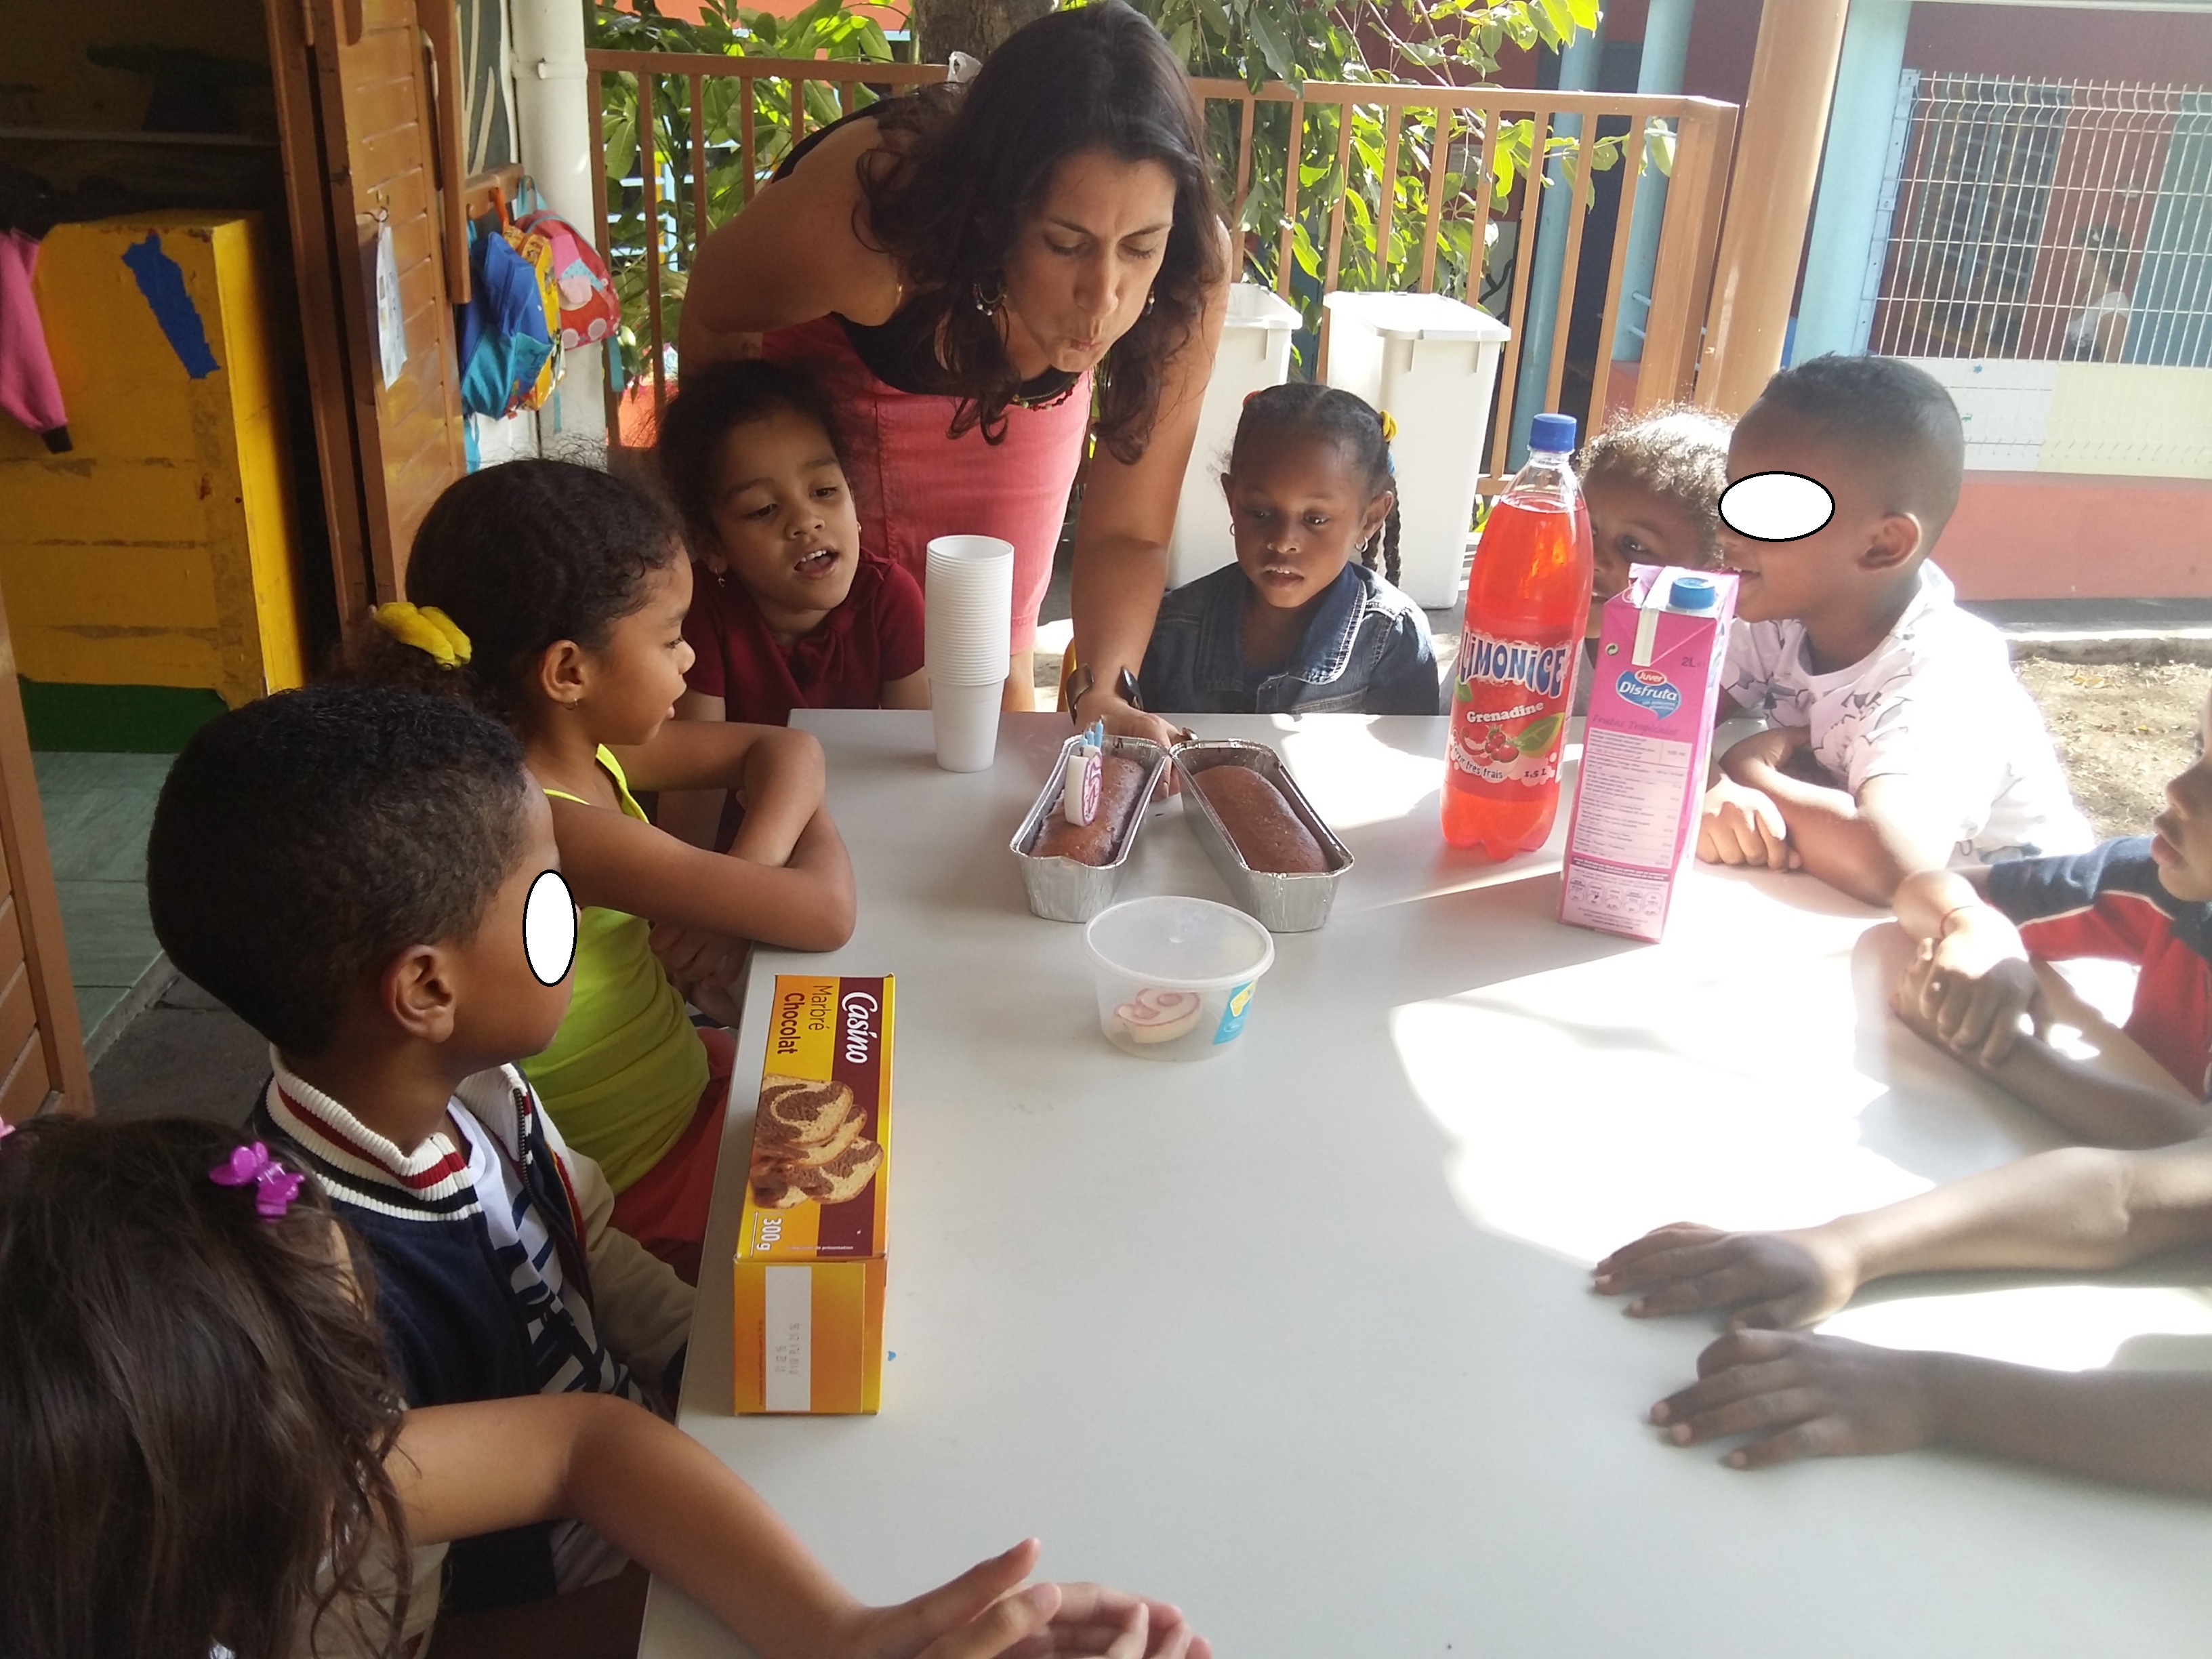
{"x": 1389, "y": 428}
{"x": 426, "y": 628}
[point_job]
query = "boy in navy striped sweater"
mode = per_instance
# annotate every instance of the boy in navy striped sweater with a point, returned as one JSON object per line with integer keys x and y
{"x": 368, "y": 878}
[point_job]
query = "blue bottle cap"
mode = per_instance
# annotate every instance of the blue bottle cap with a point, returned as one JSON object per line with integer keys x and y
{"x": 1554, "y": 434}
{"x": 1693, "y": 593}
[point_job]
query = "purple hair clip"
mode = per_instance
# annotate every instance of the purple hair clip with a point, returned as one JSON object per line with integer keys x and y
{"x": 274, "y": 1186}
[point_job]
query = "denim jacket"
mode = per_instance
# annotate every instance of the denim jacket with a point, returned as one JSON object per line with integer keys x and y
{"x": 1366, "y": 651}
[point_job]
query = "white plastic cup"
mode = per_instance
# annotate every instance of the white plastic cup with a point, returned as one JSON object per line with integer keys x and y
{"x": 967, "y": 721}
{"x": 959, "y": 648}
{"x": 1175, "y": 975}
{"x": 968, "y": 609}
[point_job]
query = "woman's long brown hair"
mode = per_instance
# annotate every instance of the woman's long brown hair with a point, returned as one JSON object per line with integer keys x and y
{"x": 195, "y": 1408}
{"x": 977, "y": 161}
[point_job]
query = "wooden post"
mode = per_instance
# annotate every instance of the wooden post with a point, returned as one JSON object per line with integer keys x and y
{"x": 1785, "y": 116}
{"x": 42, "y": 1064}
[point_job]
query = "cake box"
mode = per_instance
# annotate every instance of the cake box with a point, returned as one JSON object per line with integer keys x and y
{"x": 1653, "y": 696}
{"x": 810, "y": 1257}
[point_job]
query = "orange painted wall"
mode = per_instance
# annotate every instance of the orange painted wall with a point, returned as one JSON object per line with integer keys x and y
{"x": 2054, "y": 535}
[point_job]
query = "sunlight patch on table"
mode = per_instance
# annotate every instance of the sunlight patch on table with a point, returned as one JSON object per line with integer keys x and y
{"x": 1354, "y": 779}
{"x": 2068, "y": 1327}
{"x": 1649, "y": 1130}
{"x": 1590, "y": 1103}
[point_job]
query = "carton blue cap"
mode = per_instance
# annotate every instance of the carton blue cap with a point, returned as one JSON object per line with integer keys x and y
{"x": 1554, "y": 434}
{"x": 1693, "y": 593}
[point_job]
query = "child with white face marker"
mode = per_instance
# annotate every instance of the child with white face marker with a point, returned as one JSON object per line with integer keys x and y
{"x": 564, "y": 591}
{"x": 1897, "y": 739}
{"x": 369, "y": 879}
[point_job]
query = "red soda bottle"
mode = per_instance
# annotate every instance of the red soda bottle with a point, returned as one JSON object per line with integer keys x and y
{"x": 1528, "y": 603}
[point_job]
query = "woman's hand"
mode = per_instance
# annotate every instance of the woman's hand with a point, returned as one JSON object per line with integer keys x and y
{"x": 1772, "y": 1279}
{"x": 1124, "y": 720}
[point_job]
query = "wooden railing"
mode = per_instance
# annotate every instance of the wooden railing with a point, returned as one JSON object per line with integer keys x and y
{"x": 1460, "y": 180}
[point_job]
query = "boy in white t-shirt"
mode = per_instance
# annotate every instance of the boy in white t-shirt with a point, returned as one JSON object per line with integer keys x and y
{"x": 1898, "y": 739}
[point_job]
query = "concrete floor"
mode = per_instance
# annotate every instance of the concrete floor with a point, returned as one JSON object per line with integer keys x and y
{"x": 98, "y": 808}
{"x": 187, "y": 1055}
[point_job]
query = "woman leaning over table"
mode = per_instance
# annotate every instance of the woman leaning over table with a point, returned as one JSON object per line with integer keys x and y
{"x": 991, "y": 277}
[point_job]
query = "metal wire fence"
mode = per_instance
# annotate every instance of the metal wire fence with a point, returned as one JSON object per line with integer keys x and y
{"x": 2045, "y": 220}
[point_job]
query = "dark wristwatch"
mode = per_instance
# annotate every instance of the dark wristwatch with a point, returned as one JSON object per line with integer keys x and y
{"x": 1081, "y": 683}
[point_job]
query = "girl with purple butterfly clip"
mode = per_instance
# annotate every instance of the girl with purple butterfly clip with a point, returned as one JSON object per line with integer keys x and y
{"x": 274, "y": 1186}
{"x": 204, "y": 1452}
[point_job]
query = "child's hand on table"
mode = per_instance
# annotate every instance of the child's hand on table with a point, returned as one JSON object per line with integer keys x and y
{"x": 1742, "y": 826}
{"x": 1967, "y": 990}
{"x": 1773, "y": 1281}
{"x": 1802, "y": 1396}
{"x": 989, "y": 1613}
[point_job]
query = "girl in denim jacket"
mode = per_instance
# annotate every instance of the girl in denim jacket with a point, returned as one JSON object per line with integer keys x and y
{"x": 1297, "y": 624}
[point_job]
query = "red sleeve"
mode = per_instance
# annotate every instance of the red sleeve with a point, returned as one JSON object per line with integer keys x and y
{"x": 2117, "y": 927}
{"x": 898, "y": 622}
{"x": 705, "y": 675}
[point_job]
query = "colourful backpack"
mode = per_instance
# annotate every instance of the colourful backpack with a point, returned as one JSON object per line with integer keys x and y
{"x": 590, "y": 311}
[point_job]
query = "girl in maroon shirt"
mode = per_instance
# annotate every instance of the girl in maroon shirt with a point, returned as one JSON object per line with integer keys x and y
{"x": 787, "y": 610}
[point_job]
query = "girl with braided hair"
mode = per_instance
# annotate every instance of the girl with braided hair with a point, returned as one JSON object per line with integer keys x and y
{"x": 1306, "y": 620}
{"x": 1299, "y": 625}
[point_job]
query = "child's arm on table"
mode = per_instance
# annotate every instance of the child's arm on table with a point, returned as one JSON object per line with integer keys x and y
{"x": 694, "y": 815}
{"x": 1971, "y": 980}
{"x": 1815, "y": 1396}
{"x": 908, "y": 691}
{"x": 2124, "y": 1099}
{"x": 778, "y": 771}
{"x": 2076, "y": 1208}
{"x": 1738, "y": 825}
{"x": 805, "y": 904}
{"x": 663, "y": 1499}
{"x": 1863, "y": 845}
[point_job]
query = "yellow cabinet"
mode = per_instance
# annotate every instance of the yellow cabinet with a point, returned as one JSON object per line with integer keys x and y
{"x": 159, "y": 551}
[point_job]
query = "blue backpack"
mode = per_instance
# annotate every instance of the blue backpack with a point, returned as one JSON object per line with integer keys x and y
{"x": 505, "y": 343}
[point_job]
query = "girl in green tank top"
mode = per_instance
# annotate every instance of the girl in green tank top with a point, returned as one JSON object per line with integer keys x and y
{"x": 554, "y": 596}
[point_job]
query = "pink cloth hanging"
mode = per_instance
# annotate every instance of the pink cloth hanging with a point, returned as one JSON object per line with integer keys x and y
{"x": 28, "y": 391}
{"x": 915, "y": 484}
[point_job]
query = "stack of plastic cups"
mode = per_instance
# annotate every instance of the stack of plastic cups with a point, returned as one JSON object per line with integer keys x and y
{"x": 968, "y": 617}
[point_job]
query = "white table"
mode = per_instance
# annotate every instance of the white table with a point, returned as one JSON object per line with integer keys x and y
{"x": 1301, "y": 1337}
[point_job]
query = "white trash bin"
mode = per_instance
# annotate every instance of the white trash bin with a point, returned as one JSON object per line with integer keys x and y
{"x": 1255, "y": 354}
{"x": 1431, "y": 362}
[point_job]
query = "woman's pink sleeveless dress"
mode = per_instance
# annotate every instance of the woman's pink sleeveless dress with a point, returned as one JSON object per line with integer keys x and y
{"x": 913, "y": 483}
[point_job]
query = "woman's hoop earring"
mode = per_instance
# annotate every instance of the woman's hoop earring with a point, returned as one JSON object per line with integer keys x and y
{"x": 988, "y": 303}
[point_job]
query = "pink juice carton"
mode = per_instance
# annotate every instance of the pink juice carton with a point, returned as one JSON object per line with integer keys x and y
{"x": 1650, "y": 732}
